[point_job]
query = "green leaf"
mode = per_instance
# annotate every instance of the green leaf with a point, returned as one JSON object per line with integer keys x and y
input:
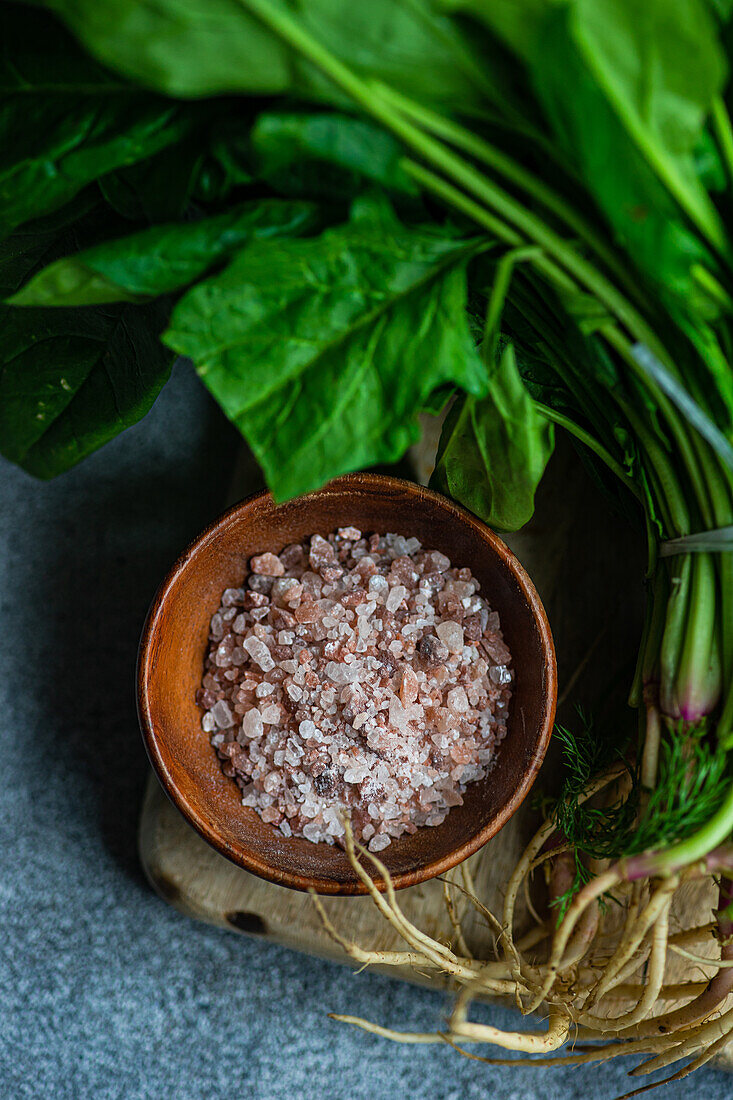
{"x": 627, "y": 89}
{"x": 70, "y": 379}
{"x": 202, "y": 47}
{"x": 323, "y": 351}
{"x": 294, "y": 152}
{"x": 658, "y": 69}
{"x": 64, "y": 121}
{"x": 159, "y": 188}
{"x": 493, "y": 451}
{"x": 517, "y": 22}
{"x": 161, "y": 259}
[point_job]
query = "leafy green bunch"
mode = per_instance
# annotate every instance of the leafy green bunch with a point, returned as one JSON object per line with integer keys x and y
{"x": 349, "y": 214}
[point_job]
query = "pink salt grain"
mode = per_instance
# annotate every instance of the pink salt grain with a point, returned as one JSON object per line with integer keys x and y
{"x": 269, "y": 565}
{"x": 355, "y": 676}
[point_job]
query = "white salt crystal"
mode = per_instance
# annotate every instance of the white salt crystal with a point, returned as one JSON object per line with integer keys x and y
{"x": 397, "y": 715}
{"x": 355, "y": 774}
{"x": 342, "y": 673}
{"x": 457, "y": 700}
{"x": 285, "y": 637}
{"x": 396, "y": 596}
{"x": 500, "y": 674}
{"x": 264, "y": 689}
{"x": 271, "y": 782}
{"x": 259, "y": 652}
{"x": 380, "y": 841}
{"x": 285, "y": 828}
{"x": 252, "y": 724}
{"x": 217, "y": 739}
{"x": 271, "y": 715}
{"x": 240, "y": 624}
{"x": 294, "y": 691}
{"x": 307, "y": 728}
{"x": 378, "y": 585}
{"x": 451, "y": 635}
{"x": 312, "y": 832}
{"x": 208, "y": 722}
{"x": 217, "y": 627}
{"x": 222, "y": 715}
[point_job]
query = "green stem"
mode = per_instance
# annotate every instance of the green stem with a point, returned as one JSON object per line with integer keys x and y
{"x": 663, "y": 471}
{"x": 494, "y": 158}
{"x": 497, "y": 297}
{"x": 688, "y": 851}
{"x": 598, "y": 449}
{"x": 697, "y": 683}
{"x": 723, "y": 132}
{"x": 456, "y": 198}
{"x": 679, "y": 431}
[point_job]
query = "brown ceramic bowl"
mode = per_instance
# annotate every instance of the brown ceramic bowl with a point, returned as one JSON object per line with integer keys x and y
{"x": 171, "y": 663}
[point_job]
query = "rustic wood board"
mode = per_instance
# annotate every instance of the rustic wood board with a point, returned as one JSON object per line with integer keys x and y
{"x": 587, "y": 567}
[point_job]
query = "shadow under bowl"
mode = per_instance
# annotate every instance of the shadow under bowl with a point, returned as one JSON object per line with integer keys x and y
{"x": 175, "y": 638}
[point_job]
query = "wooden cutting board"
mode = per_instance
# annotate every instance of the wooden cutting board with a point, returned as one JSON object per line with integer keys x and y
{"x": 587, "y": 565}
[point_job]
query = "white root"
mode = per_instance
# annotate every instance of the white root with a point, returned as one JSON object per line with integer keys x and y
{"x": 657, "y": 904}
{"x": 654, "y": 978}
{"x": 569, "y": 990}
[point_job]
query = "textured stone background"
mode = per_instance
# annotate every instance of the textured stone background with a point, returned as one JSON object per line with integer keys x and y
{"x": 105, "y": 992}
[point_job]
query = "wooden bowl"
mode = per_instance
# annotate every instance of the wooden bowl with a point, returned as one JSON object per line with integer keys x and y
{"x": 171, "y": 658}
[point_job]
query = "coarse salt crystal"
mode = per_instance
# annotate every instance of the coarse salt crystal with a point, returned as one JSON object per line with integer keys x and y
{"x": 259, "y": 652}
{"x": 222, "y": 715}
{"x": 342, "y": 673}
{"x": 396, "y": 596}
{"x": 379, "y": 842}
{"x": 269, "y": 565}
{"x": 252, "y": 723}
{"x": 457, "y": 700}
{"x": 451, "y": 634}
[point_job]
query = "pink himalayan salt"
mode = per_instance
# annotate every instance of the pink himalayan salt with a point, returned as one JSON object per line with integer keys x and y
{"x": 269, "y": 565}
{"x": 355, "y": 675}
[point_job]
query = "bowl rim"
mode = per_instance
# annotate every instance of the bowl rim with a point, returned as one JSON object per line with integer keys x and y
{"x": 248, "y": 859}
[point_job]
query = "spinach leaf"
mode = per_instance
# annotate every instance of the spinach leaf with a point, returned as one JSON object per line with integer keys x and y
{"x": 494, "y": 450}
{"x": 658, "y": 127}
{"x": 161, "y": 259}
{"x": 304, "y": 153}
{"x": 517, "y": 22}
{"x": 322, "y": 351}
{"x": 201, "y": 47}
{"x": 64, "y": 121}
{"x": 656, "y": 70}
{"x": 70, "y": 379}
{"x": 160, "y": 187}
{"x": 627, "y": 89}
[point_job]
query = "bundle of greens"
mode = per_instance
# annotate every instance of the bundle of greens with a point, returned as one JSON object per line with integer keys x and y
{"x": 349, "y": 214}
